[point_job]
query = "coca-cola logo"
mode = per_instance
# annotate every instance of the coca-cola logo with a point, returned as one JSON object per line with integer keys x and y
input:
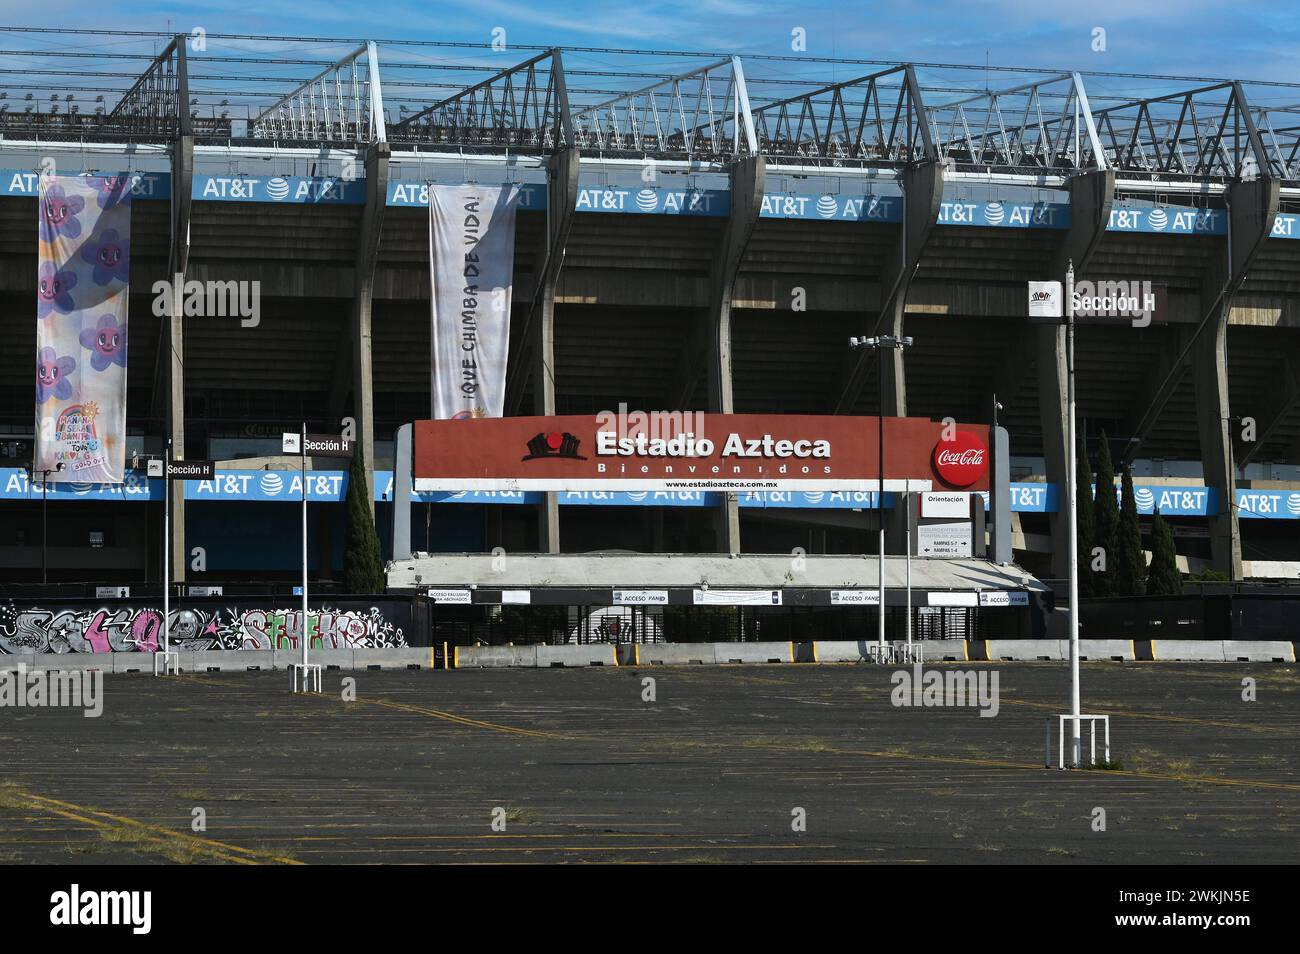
{"x": 961, "y": 461}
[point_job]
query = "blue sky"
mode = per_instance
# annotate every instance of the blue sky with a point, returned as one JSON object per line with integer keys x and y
{"x": 1193, "y": 37}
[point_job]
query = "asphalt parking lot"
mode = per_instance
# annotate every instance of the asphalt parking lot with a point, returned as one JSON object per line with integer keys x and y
{"x": 577, "y": 766}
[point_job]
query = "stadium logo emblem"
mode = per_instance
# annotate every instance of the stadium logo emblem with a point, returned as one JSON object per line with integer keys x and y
{"x": 961, "y": 461}
{"x": 994, "y": 213}
{"x": 271, "y": 484}
{"x": 647, "y": 200}
{"x": 1144, "y": 498}
{"x": 826, "y": 207}
{"x": 554, "y": 445}
{"x": 1158, "y": 219}
{"x": 277, "y": 188}
{"x": 1293, "y": 504}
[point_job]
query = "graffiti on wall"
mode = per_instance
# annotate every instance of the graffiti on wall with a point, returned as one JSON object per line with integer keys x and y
{"x": 125, "y": 629}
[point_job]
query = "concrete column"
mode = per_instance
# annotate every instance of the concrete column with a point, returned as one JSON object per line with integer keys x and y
{"x": 1252, "y": 208}
{"x": 402, "y": 491}
{"x": 922, "y": 197}
{"x": 172, "y": 338}
{"x": 354, "y": 363}
{"x": 748, "y": 182}
{"x": 561, "y": 208}
{"x": 1091, "y": 197}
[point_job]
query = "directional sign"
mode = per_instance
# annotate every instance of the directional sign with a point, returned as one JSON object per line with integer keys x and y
{"x": 460, "y": 597}
{"x": 191, "y": 469}
{"x": 328, "y": 445}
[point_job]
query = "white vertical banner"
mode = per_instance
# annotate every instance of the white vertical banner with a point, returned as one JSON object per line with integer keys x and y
{"x": 82, "y": 290}
{"x": 471, "y": 266}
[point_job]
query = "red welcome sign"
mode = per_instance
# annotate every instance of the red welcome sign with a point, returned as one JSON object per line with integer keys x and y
{"x": 672, "y": 451}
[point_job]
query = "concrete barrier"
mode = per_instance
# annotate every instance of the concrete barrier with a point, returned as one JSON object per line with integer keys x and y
{"x": 1187, "y": 650}
{"x": 754, "y": 652}
{"x": 406, "y": 657}
{"x": 840, "y": 650}
{"x": 132, "y": 662}
{"x": 493, "y": 657}
{"x": 940, "y": 650}
{"x": 676, "y": 654}
{"x": 1022, "y": 650}
{"x": 67, "y": 662}
{"x": 591, "y": 654}
{"x": 1092, "y": 649}
{"x": 1251, "y": 650}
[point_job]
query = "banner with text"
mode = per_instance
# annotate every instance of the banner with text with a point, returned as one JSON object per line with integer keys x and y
{"x": 715, "y": 452}
{"x": 471, "y": 266}
{"x": 83, "y": 277}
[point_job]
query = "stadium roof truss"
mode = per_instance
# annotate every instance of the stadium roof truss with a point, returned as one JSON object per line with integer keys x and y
{"x": 872, "y": 120}
{"x": 343, "y": 105}
{"x": 1044, "y": 126}
{"x": 525, "y": 107}
{"x": 157, "y": 104}
{"x": 1279, "y": 129}
{"x": 1201, "y": 137}
{"x": 1203, "y": 133}
{"x": 702, "y": 115}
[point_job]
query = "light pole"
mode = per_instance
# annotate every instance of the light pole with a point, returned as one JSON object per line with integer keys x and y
{"x": 1072, "y": 456}
{"x": 880, "y": 343}
{"x": 305, "y": 627}
{"x": 45, "y": 523}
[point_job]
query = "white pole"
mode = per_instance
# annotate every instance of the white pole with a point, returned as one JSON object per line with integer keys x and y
{"x": 880, "y": 500}
{"x": 907, "y": 496}
{"x": 1073, "y": 483}
{"x": 303, "y": 448}
{"x": 167, "y": 554}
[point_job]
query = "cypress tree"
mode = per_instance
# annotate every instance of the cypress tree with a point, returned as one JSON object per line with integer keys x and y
{"x": 1086, "y": 522}
{"x": 1163, "y": 578}
{"x": 363, "y": 570}
{"x": 1106, "y": 522}
{"x": 1131, "y": 580}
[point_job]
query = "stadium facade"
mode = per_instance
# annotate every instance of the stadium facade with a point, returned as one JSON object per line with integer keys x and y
{"x": 700, "y": 242}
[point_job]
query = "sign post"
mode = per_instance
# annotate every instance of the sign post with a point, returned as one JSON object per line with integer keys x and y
{"x": 1072, "y": 455}
{"x": 172, "y": 470}
{"x": 166, "y": 561}
{"x": 320, "y": 445}
{"x": 1049, "y": 301}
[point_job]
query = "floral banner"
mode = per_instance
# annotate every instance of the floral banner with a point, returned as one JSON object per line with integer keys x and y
{"x": 84, "y": 238}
